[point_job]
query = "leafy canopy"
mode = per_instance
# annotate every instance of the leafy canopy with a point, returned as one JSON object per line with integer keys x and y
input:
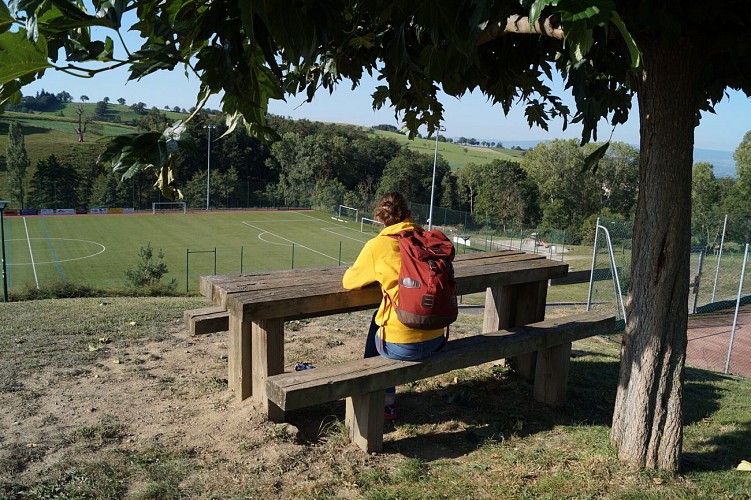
{"x": 251, "y": 52}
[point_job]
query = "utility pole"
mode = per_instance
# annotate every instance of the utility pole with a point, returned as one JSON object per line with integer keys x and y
{"x": 208, "y": 166}
{"x": 432, "y": 185}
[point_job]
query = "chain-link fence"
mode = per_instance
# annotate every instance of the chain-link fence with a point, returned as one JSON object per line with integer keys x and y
{"x": 719, "y": 338}
{"x": 486, "y": 233}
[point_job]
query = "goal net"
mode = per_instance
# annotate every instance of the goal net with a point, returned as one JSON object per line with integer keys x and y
{"x": 162, "y": 207}
{"x": 370, "y": 225}
{"x": 347, "y": 213}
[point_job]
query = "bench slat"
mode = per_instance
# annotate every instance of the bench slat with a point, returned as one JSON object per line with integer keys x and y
{"x": 206, "y": 320}
{"x": 219, "y": 288}
{"x": 295, "y": 390}
{"x": 329, "y": 298}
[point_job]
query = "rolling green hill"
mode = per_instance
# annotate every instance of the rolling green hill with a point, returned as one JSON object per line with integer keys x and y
{"x": 48, "y": 133}
{"x": 456, "y": 155}
{"x": 54, "y": 132}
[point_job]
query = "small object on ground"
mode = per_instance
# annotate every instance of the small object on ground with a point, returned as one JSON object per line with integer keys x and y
{"x": 303, "y": 366}
{"x": 389, "y": 412}
{"x": 744, "y": 465}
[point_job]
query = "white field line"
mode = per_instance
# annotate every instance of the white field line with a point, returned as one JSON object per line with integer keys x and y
{"x": 332, "y": 231}
{"x": 337, "y": 226}
{"x": 277, "y": 220}
{"x": 31, "y": 255}
{"x": 102, "y": 249}
{"x": 263, "y": 231}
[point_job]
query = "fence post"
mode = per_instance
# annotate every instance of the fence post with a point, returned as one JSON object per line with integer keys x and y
{"x": 697, "y": 280}
{"x": 594, "y": 259}
{"x": 563, "y": 244}
{"x": 214, "y": 261}
{"x": 737, "y": 306}
{"x": 241, "y": 258}
{"x": 293, "y": 255}
{"x": 719, "y": 256}
{"x": 187, "y": 263}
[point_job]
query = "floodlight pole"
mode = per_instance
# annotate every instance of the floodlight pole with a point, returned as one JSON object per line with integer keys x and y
{"x": 432, "y": 184}
{"x": 208, "y": 166}
{"x": 3, "y": 204}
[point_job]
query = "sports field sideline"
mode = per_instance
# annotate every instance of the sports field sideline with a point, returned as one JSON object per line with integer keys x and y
{"x": 96, "y": 250}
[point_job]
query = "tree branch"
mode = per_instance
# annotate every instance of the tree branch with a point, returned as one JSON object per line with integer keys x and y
{"x": 546, "y": 26}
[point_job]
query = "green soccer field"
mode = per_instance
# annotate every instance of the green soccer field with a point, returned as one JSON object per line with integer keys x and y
{"x": 97, "y": 249}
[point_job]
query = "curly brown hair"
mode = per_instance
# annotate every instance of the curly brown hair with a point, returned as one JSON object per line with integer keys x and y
{"x": 392, "y": 209}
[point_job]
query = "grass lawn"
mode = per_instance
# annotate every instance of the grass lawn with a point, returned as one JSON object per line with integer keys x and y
{"x": 96, "y": 250}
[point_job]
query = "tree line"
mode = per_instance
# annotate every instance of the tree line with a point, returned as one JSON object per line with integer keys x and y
{"x": 322, "y": 165}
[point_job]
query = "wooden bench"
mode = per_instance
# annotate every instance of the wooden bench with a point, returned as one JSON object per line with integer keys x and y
{"x": 216, "y": 319}
{"x": 206, "y": 320}
{"x": 363, "y": 381}
{"x": 258, "y": 304}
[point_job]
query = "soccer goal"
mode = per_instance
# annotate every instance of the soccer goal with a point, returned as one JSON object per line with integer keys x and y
{"x": 347, "y": 213}
{"x": 163, "y": 207}
{"x": 370, "y": 225}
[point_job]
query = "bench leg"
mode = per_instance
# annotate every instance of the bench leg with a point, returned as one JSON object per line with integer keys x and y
{"x": 239, "y": 358}
{"x": 364, "y": 419}
{"x": 514, "y": 305}
{"x": 268, "y": 359}
{"x": 551, "y": 374}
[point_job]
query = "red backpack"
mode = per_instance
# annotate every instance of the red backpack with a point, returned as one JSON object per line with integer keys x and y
{"x": 427, "y": 288}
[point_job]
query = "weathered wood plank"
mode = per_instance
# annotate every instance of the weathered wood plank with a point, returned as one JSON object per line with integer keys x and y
{"x": 206, "y": 320}
{"x": 529, "y": 308}
{"x": 310, "y": 387}
{"x": 551, "y": 374}
{"x": 328, "y": 298}
{"x": 239, "y": 357}
{"x": 268, "y": 355}
{"x": 364, "y": 419}
{"x": 212, "y": 286}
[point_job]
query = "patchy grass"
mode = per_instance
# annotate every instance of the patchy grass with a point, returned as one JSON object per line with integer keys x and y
{"x": 110, "y": 398}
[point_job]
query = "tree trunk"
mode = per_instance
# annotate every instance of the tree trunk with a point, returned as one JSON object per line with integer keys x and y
{"x": 647, "y": 422}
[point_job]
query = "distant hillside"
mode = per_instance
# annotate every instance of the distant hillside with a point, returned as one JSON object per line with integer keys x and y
{"x": 456, "y": 155}
{"x": 724, "y": 165}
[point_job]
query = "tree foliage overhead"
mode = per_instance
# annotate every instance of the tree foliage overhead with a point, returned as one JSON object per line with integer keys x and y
{"x": 252, "y": 52}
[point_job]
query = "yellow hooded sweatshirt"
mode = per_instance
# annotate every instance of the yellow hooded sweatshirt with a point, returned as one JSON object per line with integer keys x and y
{"x": 380, "y": 261}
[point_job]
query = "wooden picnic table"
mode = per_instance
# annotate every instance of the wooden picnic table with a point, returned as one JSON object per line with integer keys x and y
{"x": 259, "y": 303}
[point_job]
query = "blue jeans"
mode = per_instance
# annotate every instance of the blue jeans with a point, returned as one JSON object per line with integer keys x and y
{"x": 404, "y": 352}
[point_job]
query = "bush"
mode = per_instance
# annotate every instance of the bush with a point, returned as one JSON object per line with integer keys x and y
{"x": 148, "y": 273}
{"x": 57, "y": 290}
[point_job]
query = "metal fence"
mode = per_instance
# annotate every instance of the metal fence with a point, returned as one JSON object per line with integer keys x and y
{"x": 719, "y": 291}
{"x": 487, "y": 233}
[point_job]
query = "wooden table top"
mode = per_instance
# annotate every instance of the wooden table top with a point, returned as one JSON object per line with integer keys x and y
{"x": 304, "y": 293}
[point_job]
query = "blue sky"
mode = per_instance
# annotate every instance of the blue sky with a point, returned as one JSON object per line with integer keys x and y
{"x": 472, "y": 116}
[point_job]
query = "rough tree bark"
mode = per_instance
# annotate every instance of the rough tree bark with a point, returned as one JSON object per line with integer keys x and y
{"x": 647, "y": 422}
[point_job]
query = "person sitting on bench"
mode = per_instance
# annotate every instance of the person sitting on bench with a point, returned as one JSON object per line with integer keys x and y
{"x": 380, "y": 261}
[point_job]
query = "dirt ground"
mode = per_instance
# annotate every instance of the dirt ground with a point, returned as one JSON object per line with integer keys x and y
{"x": 172, "y": 393}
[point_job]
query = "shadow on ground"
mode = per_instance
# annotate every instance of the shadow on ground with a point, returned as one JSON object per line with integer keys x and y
{"x": 463, "y": 416}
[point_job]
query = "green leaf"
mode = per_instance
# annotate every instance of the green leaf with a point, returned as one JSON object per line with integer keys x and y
{"x": 6, "y": 20}
{"x": 20, "y": 57}
{"x": 592, "y": 160}
{"x": 591, "y": 12}
{"x": 633, "y": 49}
{"x": 112, "y": 10}
{"x": 535, "y": 10}
{"x": 63, "y": 17}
